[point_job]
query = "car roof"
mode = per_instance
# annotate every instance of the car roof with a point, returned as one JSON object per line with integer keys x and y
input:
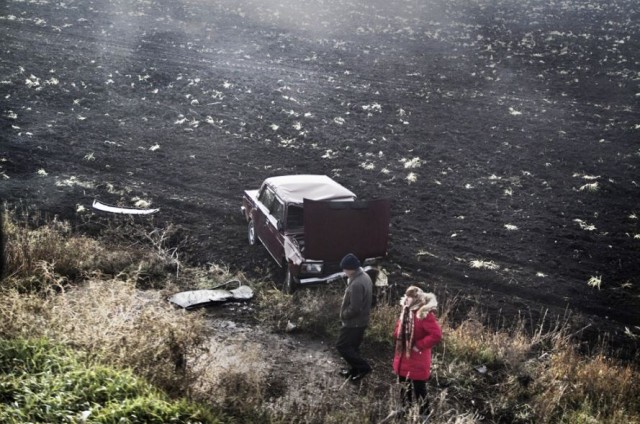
{"x": 296, "y": 188}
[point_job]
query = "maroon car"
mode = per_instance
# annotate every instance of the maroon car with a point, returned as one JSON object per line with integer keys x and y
{"x": 309, "y": 222}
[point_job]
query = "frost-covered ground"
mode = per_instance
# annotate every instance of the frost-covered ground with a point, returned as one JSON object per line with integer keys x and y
{"x": 506, "y": 132}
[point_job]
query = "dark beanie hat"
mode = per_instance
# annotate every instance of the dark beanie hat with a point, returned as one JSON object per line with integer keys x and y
{"x": 350, "y": 262}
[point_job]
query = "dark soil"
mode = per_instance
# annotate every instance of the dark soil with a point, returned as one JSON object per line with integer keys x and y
{"x": 505, "y": 132}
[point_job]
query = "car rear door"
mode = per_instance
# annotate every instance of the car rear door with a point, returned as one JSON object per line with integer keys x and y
{"x": 335, "y": 228}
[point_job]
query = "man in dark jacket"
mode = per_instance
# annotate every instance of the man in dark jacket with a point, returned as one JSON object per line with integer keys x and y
{"x": 354, "y": 314}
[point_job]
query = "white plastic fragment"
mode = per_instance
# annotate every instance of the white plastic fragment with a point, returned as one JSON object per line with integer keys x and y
{"x": 114, "y": 209}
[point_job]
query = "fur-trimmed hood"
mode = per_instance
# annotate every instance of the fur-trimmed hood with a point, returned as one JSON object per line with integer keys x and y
{"x": 419, "y": 301}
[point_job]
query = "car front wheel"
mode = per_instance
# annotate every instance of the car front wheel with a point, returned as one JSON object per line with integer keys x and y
{"x": 290, "y": 282}
{"x": 251, "y": 233}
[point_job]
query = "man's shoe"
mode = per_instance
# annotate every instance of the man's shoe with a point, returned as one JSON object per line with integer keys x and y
{"x": 345, "y": 372}
{"x": 359, "y": 376}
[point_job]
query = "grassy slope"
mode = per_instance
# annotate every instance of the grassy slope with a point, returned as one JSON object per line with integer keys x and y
{"x": 86, "y": 294}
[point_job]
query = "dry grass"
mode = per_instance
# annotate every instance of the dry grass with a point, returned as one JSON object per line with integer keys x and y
{"x": 57, "y": 289}
{"x": 111, "y": 320}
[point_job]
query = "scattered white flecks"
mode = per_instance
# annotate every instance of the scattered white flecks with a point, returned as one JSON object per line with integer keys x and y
{"x": 478, "y": 263}
{"x": 526, "y": 173}
{"x": 412, "y": 177}
{"x": 227, "y": 84}
{"x": 584, "y": 226}
{"x": 12, "y": 115}
{"x": 514, "y": 112}
{"x": 291, "y": 112}
{"x": 630, "y": 333}
{"x": 52, "y": 81}
{"x": 73, "y": 181}
{"x": 425, "y": 253}
{"x": 586, "y": 177}
{"x": 339, "y": 120}
{"x": 32, "y": 81}
{"x": 541, "y": 274}
{"x": 590, "y": 187}
{"x": 287, "y": 141}
{"x": 194, "y": 123}
{"x": 508, "y": 191}
{"x": 89, "y": 157}
{"x": 468, "y": 186}
{"x": 291, "y": 99}
{"x": 494, "y": 177}
{"x": 218, "y": 95}
{"x": 369, "y": 166}
{"x": 80, "y": 208}
{"x": 401, "y": 112}
{"x": 308, "y": 114}
{"x": 42, "y": 172}
{"x": 329, "y": 154}
{"x": 154, "y": 147}
{"x": 385, "y": 171}
{"x": 181, "y": 120}
{"x": 412, "y": 163}
{"x": 510, "y": 227}
{"x": 374, "y": 107}
{"x": 109, "y": 81}
{"x": 595, "y": 281}
{"x": 297, "y": 126}
{"x": 141, "y": 203}
{"x": 195, "y": 102}
{"x": 39, "y": 21}
{"x": 274, "y": 127}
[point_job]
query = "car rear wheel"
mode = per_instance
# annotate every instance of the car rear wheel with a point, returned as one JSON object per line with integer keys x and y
{"x": 290, "y": 283}
{"x": 251, "y": 233}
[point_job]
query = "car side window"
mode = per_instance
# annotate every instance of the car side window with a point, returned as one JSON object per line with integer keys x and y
{"x": 277, "y": 209}
{"x": 266, "y": 197}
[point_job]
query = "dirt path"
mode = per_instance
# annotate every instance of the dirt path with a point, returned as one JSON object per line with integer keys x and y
{"x": 287, "y": 369}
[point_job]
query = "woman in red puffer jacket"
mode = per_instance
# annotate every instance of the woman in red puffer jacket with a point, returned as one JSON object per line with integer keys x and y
{"x": 416, "y": 332}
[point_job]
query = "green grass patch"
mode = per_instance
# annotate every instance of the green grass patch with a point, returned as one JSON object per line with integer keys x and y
{"x": 45, "y": 382}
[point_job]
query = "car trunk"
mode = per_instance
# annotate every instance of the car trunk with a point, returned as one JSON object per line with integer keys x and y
{"x": 332, "y": 229}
